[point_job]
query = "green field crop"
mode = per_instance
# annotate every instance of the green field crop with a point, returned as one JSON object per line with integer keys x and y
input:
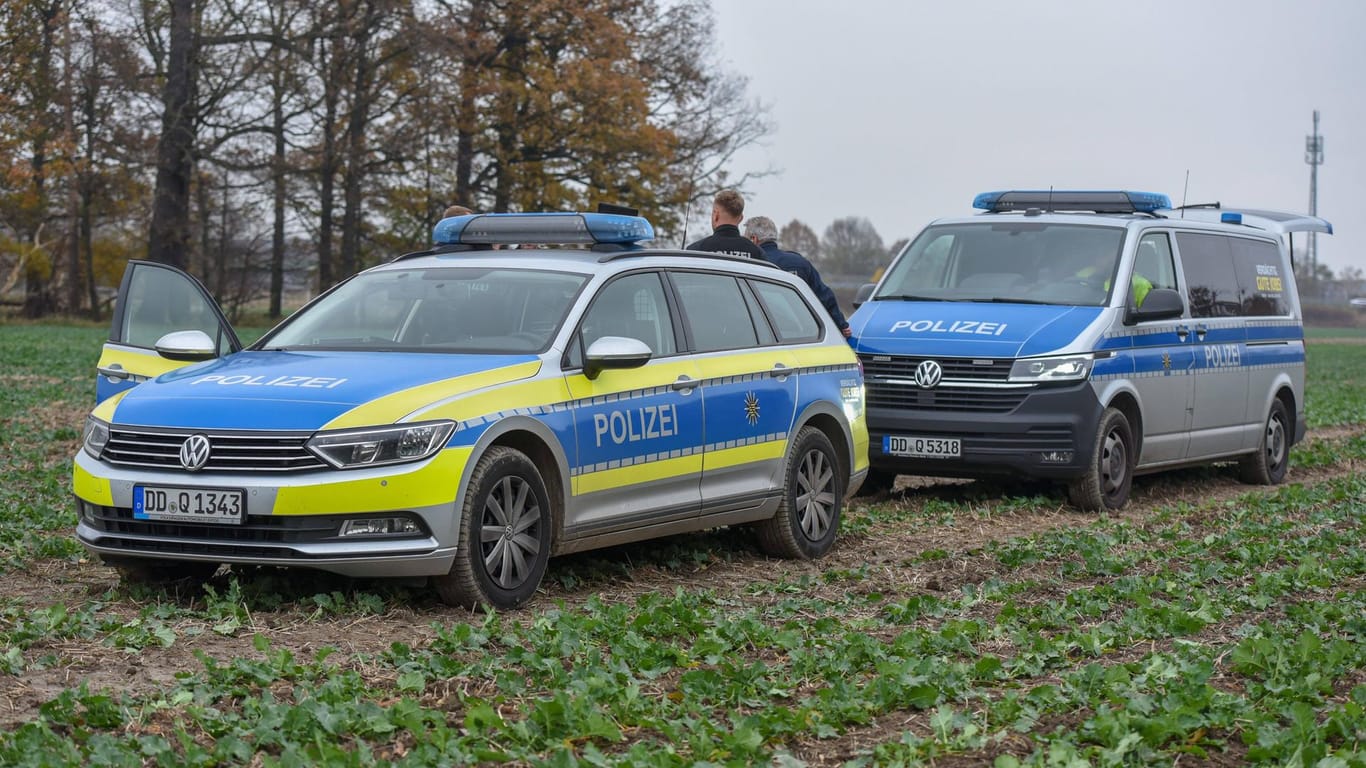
{"x": 980, "y": 623}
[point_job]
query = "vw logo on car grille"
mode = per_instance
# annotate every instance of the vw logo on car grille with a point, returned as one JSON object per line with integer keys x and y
{"x": 928, "y": 374}
{"x": 194, "y": 453}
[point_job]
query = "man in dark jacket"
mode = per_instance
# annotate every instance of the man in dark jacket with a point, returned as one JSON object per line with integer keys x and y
{"x": 727, "y": 209}
{"x": 764, "y": 233}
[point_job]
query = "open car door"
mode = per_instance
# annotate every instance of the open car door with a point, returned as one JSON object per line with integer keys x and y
{"x": 156, "y": 300}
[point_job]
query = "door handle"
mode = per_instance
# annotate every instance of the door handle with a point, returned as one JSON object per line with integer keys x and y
{"x": 780, "y": 371}
{"x": 113, "y": 371}
{"x": 1200, "y": 332}
{"x": 1182, "y": 332}
{"x": 684, "y": 384}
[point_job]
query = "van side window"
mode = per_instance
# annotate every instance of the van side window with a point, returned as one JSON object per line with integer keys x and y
{"x": 1207, "y": 263}
{"x": 1257, "y": 265}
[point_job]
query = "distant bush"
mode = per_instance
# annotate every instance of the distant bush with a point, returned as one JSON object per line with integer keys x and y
{"x": 1333, "y": 316}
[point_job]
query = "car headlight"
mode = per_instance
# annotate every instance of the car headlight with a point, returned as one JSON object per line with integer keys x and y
{"x": 1044, "y": 369}
{"x": 369, "y": 447}
{"x": 95, "y": 436}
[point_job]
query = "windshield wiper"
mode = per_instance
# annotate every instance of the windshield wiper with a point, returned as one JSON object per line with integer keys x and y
{"x": 1009, "y": 300}
{"x": 908, "y": 297}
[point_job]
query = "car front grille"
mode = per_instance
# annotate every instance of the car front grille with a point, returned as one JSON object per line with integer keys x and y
{"x": 968, "y": 385}
{"x": 229, "y": 452}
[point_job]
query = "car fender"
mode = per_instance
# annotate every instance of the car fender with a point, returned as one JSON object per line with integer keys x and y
{"x": 492, "y": 435}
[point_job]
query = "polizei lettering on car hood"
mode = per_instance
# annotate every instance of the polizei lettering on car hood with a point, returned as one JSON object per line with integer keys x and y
{"x": 968, "y": 329}
{"x": 290, "y": 390}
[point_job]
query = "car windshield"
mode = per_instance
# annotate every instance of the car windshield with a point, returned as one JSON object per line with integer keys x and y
{"x": 439, "y": 309}
{"x": 1008, "y": 261}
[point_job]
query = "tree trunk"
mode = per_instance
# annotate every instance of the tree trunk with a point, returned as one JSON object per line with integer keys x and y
{"x": 169, "y": 239}
{"x": 277, "y": 240}
{"x": 357, "y": 123}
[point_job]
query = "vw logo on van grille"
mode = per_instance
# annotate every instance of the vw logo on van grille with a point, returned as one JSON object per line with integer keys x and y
{"x": 194, "y": 453}
{"x": 927, "y": 375}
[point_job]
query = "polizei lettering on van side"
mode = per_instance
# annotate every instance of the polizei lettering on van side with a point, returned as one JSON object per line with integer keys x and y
{"x": 634, "y": 424}
{"x": 957, "y": 326}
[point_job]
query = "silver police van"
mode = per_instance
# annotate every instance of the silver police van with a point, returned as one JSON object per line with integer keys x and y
{"x": 1086, "y": 336}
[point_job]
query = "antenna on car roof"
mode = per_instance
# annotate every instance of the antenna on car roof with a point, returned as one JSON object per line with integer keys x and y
{"x": 1050, "y": 198}
{"x": 1184, "y": 189}
{"x": 687, "y": 210}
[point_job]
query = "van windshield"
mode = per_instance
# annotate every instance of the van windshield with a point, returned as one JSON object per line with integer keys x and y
{"x": 1008, "y": 261}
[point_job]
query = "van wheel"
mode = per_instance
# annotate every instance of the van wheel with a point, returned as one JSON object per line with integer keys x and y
{"x": 1268, "y": 465}
{"x": 876, "y": 483}
{"x": 808, "y": 518}
{"x": 505, "y": 538}
{"x": 1111, "y": 470}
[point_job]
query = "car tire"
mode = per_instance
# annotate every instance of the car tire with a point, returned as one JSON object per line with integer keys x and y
{"x": 152, "y": 571}
{"x": 1110, "y": 471}
{"x": 808, "y": 519}
{"x": 506, "y": 534}
{"x": 1268, "y": 465}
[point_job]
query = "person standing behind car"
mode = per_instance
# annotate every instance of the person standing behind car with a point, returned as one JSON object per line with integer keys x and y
{"x": 764, "y": 233}
{"x": 727, "y": 209}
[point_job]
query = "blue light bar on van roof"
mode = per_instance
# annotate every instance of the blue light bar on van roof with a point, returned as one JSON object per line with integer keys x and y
{"x": 542, "y": 229}
{"x": 1095, "y": 201}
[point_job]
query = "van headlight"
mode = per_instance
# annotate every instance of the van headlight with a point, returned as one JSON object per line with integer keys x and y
{"x": 374, "y": 446}
{"x": 1045, "y": 369}
{"x": 95, "y": 436}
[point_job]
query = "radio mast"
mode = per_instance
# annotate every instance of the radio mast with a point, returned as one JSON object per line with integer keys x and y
{"x": 1313, "y": 155}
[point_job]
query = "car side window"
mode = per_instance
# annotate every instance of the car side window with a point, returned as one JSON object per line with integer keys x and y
{"x": 1207, "y": 263}
{"x": 792, "y": 317}
{"x": 714, "y": 311}
{"x": 633, "y": 306}
{"x": 1258, "y": 267}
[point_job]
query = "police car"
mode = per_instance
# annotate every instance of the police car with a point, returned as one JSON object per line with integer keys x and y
{"x": 1086, "y": 336}
{"x": 464, "y": 413}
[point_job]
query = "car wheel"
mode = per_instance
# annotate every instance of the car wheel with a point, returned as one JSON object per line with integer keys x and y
{"x": 808, "y": 518}
{"x": 1110, "y": 472}
{"x": 152, "y": 571}
{"x": 1268, "y": 465}
{"x": 505, "y": 538}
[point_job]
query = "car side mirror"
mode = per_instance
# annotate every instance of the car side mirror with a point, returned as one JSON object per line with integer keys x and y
{"x": 187, "y": 345}
{"x": 1159, "y": 304}
{"x": 865, "y": 292}
{"x": 615, "y": 352}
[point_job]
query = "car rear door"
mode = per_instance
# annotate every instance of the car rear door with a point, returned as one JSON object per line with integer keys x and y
{"x": 154, "y": 300}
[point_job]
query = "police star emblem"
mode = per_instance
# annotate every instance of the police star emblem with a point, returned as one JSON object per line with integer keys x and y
{"x": 751, "y": 408}
{"x": 1166, "y": 361}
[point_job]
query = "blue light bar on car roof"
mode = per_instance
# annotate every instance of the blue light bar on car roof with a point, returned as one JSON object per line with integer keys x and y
{"x": 1095, "y": 201}
{"x": 542, "y": 229}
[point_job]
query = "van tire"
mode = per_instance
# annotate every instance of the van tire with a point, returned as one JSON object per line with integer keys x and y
{"x": 1268, "y": 465}
{"x": 505, "y": 538}
{"x": 808, "y": 519}
{"x": 1110, "y": 471}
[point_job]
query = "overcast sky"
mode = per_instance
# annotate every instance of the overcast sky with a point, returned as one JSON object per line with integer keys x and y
{"x": 902, "y": 111}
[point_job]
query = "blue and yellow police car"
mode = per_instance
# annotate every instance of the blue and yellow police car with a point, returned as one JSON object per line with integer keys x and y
{"x": 465, "y": 412}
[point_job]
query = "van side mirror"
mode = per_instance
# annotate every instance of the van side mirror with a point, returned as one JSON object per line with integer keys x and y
{"x": 1159, "y": 304}
{"x": 614, "y": 352}
{"x": 865, "y": 292}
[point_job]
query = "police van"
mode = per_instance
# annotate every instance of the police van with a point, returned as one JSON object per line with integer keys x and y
{"x": 1085, "y": 337}
{"x": 463, "y": 413}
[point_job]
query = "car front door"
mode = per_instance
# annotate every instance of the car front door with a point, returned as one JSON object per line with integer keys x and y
{"x": 749, "y": 389}
{"x": 638, "y": 454}
{"x": 1164, "y": 360}
{"x": 154, "y": 300}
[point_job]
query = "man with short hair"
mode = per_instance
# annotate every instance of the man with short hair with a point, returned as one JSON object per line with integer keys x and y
{"x": 764, "y": 233}
{"x": 727, "y": 209}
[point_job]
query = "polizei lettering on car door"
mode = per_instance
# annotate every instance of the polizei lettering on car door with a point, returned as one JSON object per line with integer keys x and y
{"x": 634, "y": 424}
{"x": 957, "y": 326}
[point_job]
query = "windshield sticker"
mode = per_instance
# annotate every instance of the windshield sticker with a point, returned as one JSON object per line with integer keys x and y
{"x": 957, "y": 326}
{"x": 1268, "y": 279}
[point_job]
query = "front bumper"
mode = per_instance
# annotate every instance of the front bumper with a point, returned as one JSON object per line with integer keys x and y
{"x": 291, "y": 519}
{"x": 1051, "y": 434}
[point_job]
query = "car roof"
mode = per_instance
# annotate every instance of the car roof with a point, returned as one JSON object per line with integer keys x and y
{"x": 583, "y": 260}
